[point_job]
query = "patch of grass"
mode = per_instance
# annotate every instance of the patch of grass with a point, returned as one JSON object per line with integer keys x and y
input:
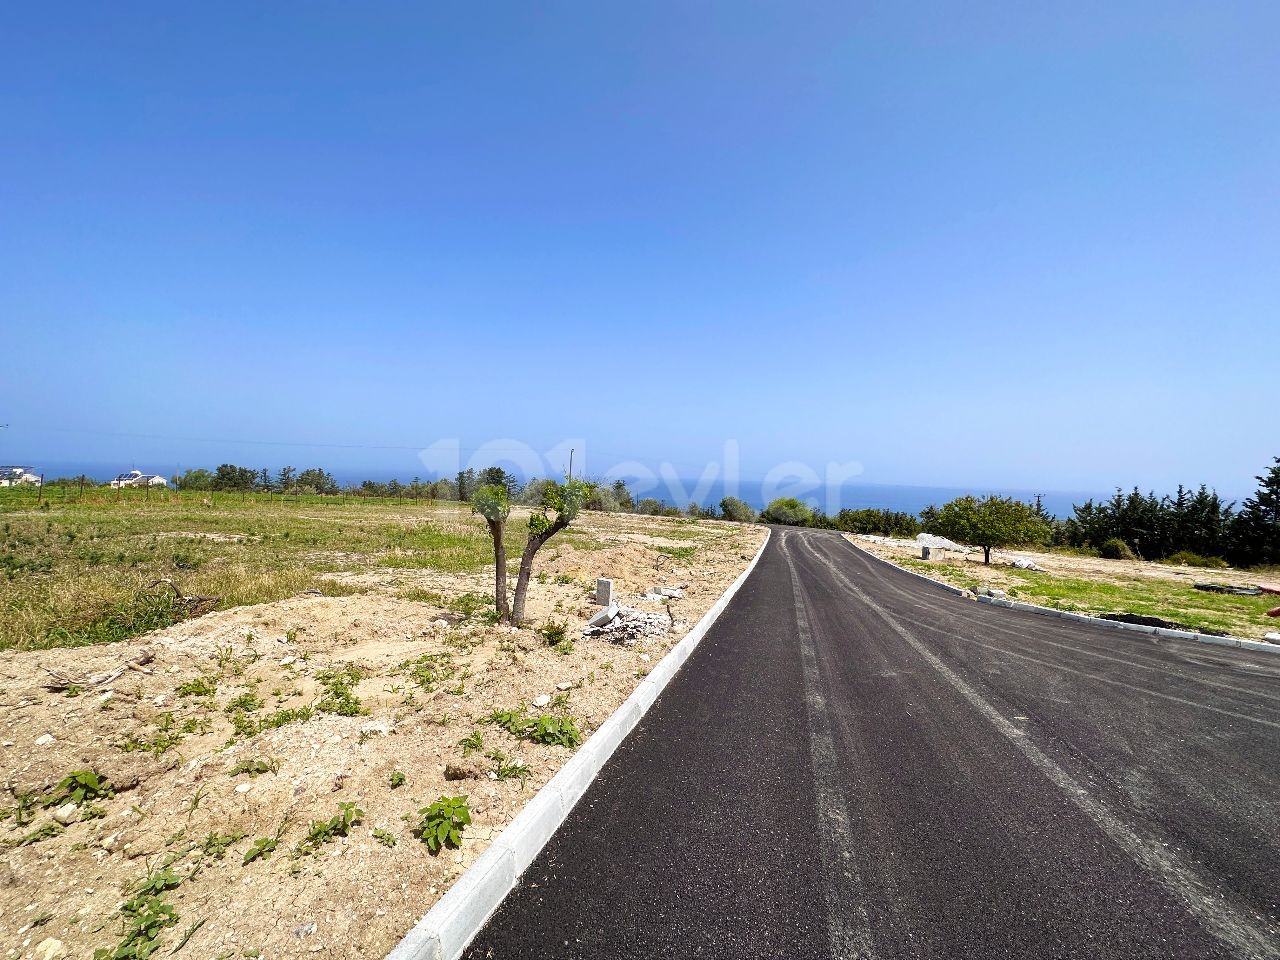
{"x": 441, "y": 824}
{"x": 247, "y": 701}
{"x": 679, "y": 553}
{"x": 428, "y": 670}
{"x": 43, "y": 832}
{"x": 214, "y": 845}
{"x": 506, "y": 768}
{"x": 472, "y": 742}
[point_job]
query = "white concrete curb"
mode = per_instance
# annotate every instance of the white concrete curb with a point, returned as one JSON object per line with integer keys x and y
{"x": 446, "y": 929}
{"x": 1238, "y": 642}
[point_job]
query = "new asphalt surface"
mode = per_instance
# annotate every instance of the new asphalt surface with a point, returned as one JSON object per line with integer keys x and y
{"x": 856, "y": 764}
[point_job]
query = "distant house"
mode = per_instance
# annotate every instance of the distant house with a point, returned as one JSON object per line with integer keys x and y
{"x": 16, "y": 476}
{"x": 136, "y": 478}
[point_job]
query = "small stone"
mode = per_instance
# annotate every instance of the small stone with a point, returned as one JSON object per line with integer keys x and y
{"x": 243, "y": 787}
{"x": 565, "y": 685}
{"x": 288, "y": 660}
{"x": 541, "y": 700}
{"x": 50, "y": 949}
{"x": 645, "y": 657}
{"x": 44, "y": 740}
{"x": 1274, "y": 637}
{"x": 159, "y": 701}
{"x": 604, "y": 616}
{"x": 304, "y": 929}
{"x": 441, "y": 624}
{"x": 66, "y": 814}
{"x": 107, "y": 695}
{"x": 334, "y": 740}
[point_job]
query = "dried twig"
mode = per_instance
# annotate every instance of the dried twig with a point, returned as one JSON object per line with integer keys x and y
{"x": 63, "y": 681}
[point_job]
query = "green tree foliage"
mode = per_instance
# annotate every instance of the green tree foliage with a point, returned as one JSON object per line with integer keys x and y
{"x": 888, "y": 523}
{"x": 561, "y": 504}
{"x": 787, "y": 510}
{"x": 231, "y": 477}
{"x": 467, "y": 482}
{"x": 1154, "y": 527}
{"x": 316, "y": 480}
{"x": 198, "y": 479}
{"x": 989, "y": 522}
{"x": 731, "y": 508}
{"x": 1255, "y": 531}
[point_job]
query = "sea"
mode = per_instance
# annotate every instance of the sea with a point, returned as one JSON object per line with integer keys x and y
{"x": 681, "y": 492}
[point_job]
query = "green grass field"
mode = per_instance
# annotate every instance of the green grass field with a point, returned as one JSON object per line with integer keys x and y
{"x": 1146, "y": 596}
{"x": 77, "y": 569}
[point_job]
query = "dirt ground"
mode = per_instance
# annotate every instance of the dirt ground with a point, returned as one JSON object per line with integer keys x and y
{"x": 169, "y": 732}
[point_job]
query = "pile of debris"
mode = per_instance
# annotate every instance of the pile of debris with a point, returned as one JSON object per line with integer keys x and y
{"x": 627, "y": 626}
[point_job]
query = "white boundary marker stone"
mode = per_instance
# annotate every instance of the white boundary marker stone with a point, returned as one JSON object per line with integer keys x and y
{"x": 448, "y": 927}
{"x": 1238, "y": 642}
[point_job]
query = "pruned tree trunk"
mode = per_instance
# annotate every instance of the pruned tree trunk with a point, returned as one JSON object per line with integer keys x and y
{"x": 986, "y": 556}
{"x": 526, "y": 567}
{"x": 500, "y": 570}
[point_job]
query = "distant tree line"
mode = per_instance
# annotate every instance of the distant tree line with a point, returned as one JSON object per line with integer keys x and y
{"x": 1190, "y": 527}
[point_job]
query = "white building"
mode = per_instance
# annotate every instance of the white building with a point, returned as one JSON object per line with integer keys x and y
{"x": 136, "y": 478}
{"x": 16, "y": 476}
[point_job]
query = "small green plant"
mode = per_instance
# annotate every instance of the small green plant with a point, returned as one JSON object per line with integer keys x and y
{"x": 159, "y": 744}
{"x": 72, "y": 691}
{"x": 78, "y": 787}
{"x": 43, "y": 832}
{"x": 396, "y": 780}
{"x": 442, "y": 823}
{"x": 472, "y": 742}
{"x": 214, "y": 845}
{"x": 247, "y": 701}
{"x": 256, "y": 766}
{"x": 544, "y": 728}
{"x": 263, "y": 847}
{"x": 428, "y": 670}
{"x": 154, "y": 884}
{"x": 1187, "y": 558}
{"x": 553, "y": 631}
{"x": 93, "y": 813}
{"x": 564, "y": 647}
{"x": 204, "y": 686}
{"x": 339, "y": 697}
{"x": 505, "y": 768}
{"x": 323, "y": 831}
{"x": 384, "y": 837}
{"x": 144, "y": 918}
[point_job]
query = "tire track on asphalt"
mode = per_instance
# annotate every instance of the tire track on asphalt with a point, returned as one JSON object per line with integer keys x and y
{"x": 848, "y": 927}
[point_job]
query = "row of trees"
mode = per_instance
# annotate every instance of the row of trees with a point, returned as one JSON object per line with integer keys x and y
{"x": 1191, "y": 525}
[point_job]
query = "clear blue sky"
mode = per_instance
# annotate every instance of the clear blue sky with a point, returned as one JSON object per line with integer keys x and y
{"x": 961, "y": 243}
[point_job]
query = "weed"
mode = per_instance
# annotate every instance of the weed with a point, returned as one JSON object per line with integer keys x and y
{"x": 247, "y": 701}
{"x": 203, "y": 686}
{"x": 553, "y": 631}
{"x": 72, "y": 691}
{"x": 396, "y": 780}
{"x": 473, "y": 741}
{"x": 340, "y": 698}
{"x": 157, "y": 745}
{"x": 214, "y": 845}
{"x": 323, "y": 831}
{"x": 442, "y": 823}
{"x": 145, "y": 918}
{"x": 544, "y": 728}
{"x": 505, "y": 768}
{"x": 194, "y": 803}
{"x": 79, "y": 786}
{"x": 428, "y": 669}
{"x": 93, "y": 813}
{"x": 255, "y": 767}
{"x": 44, "y": 832}
{"x": 384, "y": 837}
{"x": 187, "y": 934}
{"x": 564, "y": 647}
{"x": 157, "y": 883}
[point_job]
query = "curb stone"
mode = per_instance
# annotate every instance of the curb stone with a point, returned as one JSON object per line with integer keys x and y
{"x": 447, "y": 928}
{"x": 1238, "y": 642}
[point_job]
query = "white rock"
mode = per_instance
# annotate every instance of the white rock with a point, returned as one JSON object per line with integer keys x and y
{"x": 645, "y": 657}
{"x": 107, "y": 695}
{"x": 66, "y": 814}
{"x": 50, "y": 949}
{"x": 159, "y": 701}
{"x": 44, "y": 740}
{"x": 1273, "y": 636}
{"x": 604, "y": 616}
{"x": 442, "y": 624}
{"x": 382, "y": 727}
{"x": 541, "y": 700}
{"x": 243, "y": 787}
{"x": 288, "y": 660}
{"x": 565, "y": 685}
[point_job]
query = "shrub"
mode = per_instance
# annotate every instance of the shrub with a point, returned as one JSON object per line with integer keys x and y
{"x": 1116, "y": 549}
{"x": 731, "y": 508}
{"x": 1187, "y": 558}
{"x": 787, "y": 510}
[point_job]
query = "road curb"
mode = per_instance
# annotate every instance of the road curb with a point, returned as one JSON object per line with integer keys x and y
{"x": 1237, "y": 642}
{"x": 449, "y": 926}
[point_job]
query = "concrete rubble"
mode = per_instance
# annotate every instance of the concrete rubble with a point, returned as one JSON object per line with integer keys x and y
{"x": 626, "y": 626}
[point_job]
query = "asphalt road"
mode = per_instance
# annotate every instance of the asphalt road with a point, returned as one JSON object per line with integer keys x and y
{"x": 856, "y": 764}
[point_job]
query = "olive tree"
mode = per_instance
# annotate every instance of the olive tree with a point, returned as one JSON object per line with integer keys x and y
{"x": 989, "y": 522}
{"x": 560, "y": 505}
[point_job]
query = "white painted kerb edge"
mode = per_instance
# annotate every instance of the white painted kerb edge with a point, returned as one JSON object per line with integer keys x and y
{"x": 444, "y": 932}
{"x": 1238, "y": 642}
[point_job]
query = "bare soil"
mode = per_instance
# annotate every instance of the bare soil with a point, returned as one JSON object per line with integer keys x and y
{"x": 178, "y": 805}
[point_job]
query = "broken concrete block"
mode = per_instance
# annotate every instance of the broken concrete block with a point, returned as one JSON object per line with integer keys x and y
{"x": 604, "y": 592}
{"x": 604, "y": 616}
